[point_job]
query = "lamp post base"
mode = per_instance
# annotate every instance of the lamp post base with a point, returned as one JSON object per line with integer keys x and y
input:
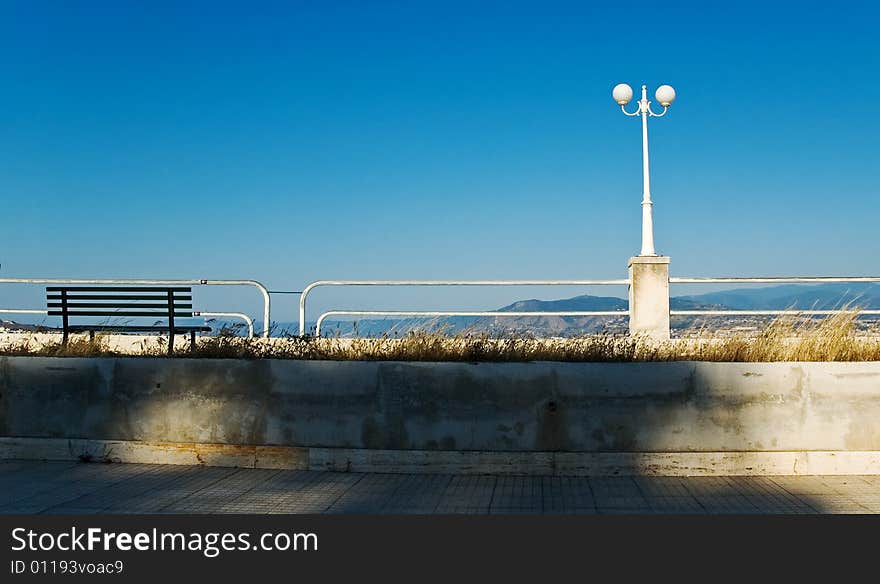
{"x": 649, "y": 296}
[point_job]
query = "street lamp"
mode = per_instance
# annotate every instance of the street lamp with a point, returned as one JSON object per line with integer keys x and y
{"x": 665, "y": 95}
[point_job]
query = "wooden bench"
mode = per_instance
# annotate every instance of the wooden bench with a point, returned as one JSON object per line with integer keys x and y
{"x": 124, "y": 301}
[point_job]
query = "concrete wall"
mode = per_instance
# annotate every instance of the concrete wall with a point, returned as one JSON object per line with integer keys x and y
{"x": 501, "y": 407}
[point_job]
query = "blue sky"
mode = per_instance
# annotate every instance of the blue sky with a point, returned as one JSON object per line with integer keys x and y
{"x": 296, "y": 141}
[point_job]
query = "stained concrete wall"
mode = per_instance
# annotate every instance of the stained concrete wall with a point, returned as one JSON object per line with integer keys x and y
{"x": 529, "y": 407}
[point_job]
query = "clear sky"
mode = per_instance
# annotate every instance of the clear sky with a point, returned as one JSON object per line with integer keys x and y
{"x": 296, "y": 141}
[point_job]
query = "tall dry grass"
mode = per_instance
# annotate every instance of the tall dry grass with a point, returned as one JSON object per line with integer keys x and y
{"x": 788, "y": 338}
{"x": 77, "y": 346}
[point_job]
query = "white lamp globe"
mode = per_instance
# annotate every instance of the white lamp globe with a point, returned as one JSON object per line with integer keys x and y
{"x": 665, "y": 95}
{"x": 622, "y": 93}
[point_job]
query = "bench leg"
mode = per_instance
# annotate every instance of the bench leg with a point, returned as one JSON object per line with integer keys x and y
{"x": 192, "y": 341}
{"x": 91, "y": 336}
{"x": 170, "y": 343}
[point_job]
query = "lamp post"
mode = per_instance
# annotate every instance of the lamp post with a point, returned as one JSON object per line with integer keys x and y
{"x": 665, "y": 95}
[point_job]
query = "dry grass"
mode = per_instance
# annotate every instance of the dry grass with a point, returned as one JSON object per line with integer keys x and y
{"x": 788, "y": 338}
{"x": 785, "y": 339}
{"x": 76, "y": 347}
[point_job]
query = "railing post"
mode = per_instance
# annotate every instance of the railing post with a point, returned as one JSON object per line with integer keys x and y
{"x": 649, "y": 296}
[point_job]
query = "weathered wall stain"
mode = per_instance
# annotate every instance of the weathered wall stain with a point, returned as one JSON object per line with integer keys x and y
{"x": 552, "y": 428}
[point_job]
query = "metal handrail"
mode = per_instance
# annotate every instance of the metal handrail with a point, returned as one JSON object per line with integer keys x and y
{"x": 458, "y": 313}
{"x": 768, "y": 312}
{"x": 777, "y": 280}
{"x": 22, "y": 311}
{"x": 248, "y": 320}
{"x": 267, "y": 301}
{"x": 241, "y": 315}
{"x": 305, "y": 293}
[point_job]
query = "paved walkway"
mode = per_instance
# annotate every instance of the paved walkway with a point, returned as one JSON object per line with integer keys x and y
{"x": 61, "y": 487}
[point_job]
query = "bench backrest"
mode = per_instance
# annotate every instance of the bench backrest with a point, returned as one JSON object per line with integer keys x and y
{"x": 141, "y": 301}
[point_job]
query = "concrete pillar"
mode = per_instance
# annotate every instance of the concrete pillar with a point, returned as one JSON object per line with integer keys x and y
{"x": 649, "y": 296}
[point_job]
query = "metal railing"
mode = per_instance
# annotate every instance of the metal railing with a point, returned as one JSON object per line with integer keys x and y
{"x": 305, "y": 293}
{"x": 267, "y": 301}
{"x": 734, "y": 312}
{"x": 458, "y": 313}
{"x": 775, "y": 280}
{"x": 22, "y": 311}
{"x": 778, "y": 280}
{"x": 672, "y": 280}
{"x": 248, "y": 321}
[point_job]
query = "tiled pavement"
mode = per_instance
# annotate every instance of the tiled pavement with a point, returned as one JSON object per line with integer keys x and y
{"x": 79, "y": 488}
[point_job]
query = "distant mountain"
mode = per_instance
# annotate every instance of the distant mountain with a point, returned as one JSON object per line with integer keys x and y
{"x": 554, "y": 325}
{"x": 584, "y": 303}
